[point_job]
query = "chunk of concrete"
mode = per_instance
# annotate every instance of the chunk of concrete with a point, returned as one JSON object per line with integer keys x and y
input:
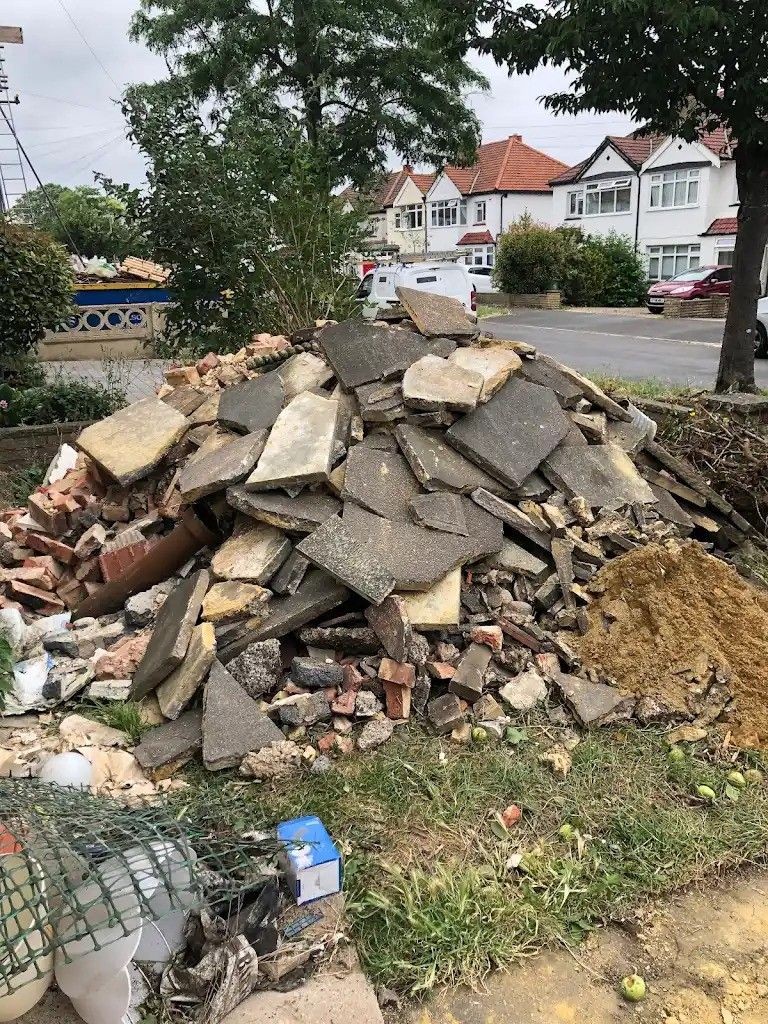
{"x": 349, "y": 559}
{"x": 253, "y": 405}
{"x": 392, "y": 625}
{"x": 259, "y": 668}
{"x": 291, "y": 573}
{"x": 515, "y": 559}
{"x": 669, "y": 509}
{"x": 301, "y": 514}
{"x": 233, "y": 725}
{"x": 589, "y": 389}
{"x": 380, "y": 481}
{"x": 253, "y": 553}
{"x": 233, "y": 599}
{"x": 168, "y": 747}
{"x": 301, "y": 445}
{"x": 438, "y": 466}
{"x": 445, "y": 713}
{"x": 440, "y": 510}
{"x": 602, "y": 474}
{"x": 132, "y": 441}
{"x": 436, "y": 608}
{"x": 228, "y": 465}
{"x": 172, "y": 633}
{"x": 375, "y": 733}
{"x": 568, "y": 392}
{"x": 303, "y": 372}
{"x": 511, "y": 434}
{"x": 525, "y": 691}
{"x": 361, "y": 353}
{"x": 316, "y": 674}
{"x": 436, "y": 315}
{"x": 469, "y": 678}
{"x": 494, "y": 364}
{"x": 350, "y": 995}
{"x": 432, "y": 383}
{"x": 381, "y": 402}
{"x": 485, "y": 531}
{"x": 591, "y": 703}
{"x": 178, "y": 689}
{"x": 511, "y": 515}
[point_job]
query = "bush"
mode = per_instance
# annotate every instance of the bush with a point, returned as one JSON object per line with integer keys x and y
{"x": 63, "y": 400}
{"x": 625, "y": 276}
{"x": 529, "y": 257}
{"x": 36, "y": 283}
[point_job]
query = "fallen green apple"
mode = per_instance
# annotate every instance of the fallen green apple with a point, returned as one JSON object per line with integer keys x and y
{"x": 676, "y": 755}
{"x": 633, "y": 988}
{"x": 706, "y": 792}
{"x": 737, "y": 779}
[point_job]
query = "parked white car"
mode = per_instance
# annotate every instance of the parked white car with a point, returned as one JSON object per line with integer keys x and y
{"x": 761, "y": 337}
{"x": 482, "y": 279}
{"x": 377, "y": 288}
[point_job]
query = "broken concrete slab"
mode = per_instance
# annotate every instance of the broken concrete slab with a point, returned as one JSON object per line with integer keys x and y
{"x": 632, "y": 435}
{"x": 131, "y": 442}
{"x": 438, "y": 466}
{"x": 303, "y": 372}
{"x": 493, "y": 363}
{"x": 592, "y": 425}
{"x": 537, "y": 371}
{"x": 437, "y": 315}
{"x": 301, "y": 514}
{"x": 445, "y": 713}
{"x": 253, "y": 405}
{"x": 432, "y": 383}
{"x": 349, "y": 559}
{"x": 233, "y": 725}
{"x": 301, "y": 445}
{"x": 318, "y": 593}
{"x": 515, "y": 559}
{"x": 440, "y": 510}
{"x": 392, "y": 625}
{"x": 361, "y": 353}
{"x": 511, "y": 434}
{"x": 168, "y": 747}
{"x": 380, "y": 481}
{"x": 511, "y": 515}
{"x": 485, "y": 531}
{"x": 381, "y": 402}
{"x": 233, "y": 599}
{"x": 347, "y": 996}
{"x": 525, "y": 691}
{"x": 592, "y": 703}
{"x": 469, "y": 678}
{"x": 436, "y": 608}
{"x": 349, "y": 639}
{"x": 562, "y": 554}
{"x": 290, "y": 574}
{"x": 177, "y": 690}
{"x": 602, "y": 474}
{"x": 230, "y": 464}
{"x": 415, "y": 557}
{"x": 316, "y": 674}
{"x": 253, "y": 553}
{"x": 259, "y": 668}
{"x": 171, "y": 635}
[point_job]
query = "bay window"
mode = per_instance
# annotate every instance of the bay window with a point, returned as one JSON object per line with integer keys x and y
{"x": 608, "y": 197}
{"x": 445, "y": 213}
{"x": 666, "y": 261}
{"x": 671, "y": 190}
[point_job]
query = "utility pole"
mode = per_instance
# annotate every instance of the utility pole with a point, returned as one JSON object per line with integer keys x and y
{"x": 13, "y": 182}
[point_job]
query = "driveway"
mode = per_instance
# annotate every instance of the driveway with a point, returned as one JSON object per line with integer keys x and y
{"x": 623, "y": 344}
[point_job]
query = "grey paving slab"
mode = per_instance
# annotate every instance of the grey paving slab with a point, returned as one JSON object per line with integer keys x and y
{"x": 440, "y": 510}
{"x": 438, "y": 466}
{"x": 233, "y": 724}
{"x": 253, "y": 405}
{"x": 168, "y": 747}
{"x": 437, "y": 315}
{"x": 301, "y": 445}
{"x": 602, "y": 474}
{"x": 301, "y": 514}
{"x": 227, "y": 465}
{"x": 349, "y": 559}
{"x": 380, "y": 481}
{"x": 361, "y": 353}
{"x": 516, "y": 559}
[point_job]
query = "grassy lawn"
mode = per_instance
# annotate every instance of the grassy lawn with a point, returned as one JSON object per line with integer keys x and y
{"x": 432, "y": 893}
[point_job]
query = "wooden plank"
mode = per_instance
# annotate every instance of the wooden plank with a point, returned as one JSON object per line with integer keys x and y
{"x": 11, "y": 34}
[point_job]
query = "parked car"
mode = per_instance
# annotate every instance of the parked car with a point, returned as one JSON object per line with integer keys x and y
{"x": 377, "y": 288}
{"x": 700, "y": 283}
{"x": 761, "y": 334}
{"x": 482, "y": 279}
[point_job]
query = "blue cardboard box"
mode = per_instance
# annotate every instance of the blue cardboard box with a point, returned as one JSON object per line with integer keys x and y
{"x": 312, "y": 863}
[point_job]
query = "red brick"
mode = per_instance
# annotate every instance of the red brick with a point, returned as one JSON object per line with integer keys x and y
{"x": 208, "y": 362}
{"x": 400, "y": 672}
{"x": 50, "y": 546}
{"x": 327, "y": 742}
{"x": 114, "y": 564}
{"x": 398, "y": 701}
{"x": 440, "y": 670}
{"x": 489, "y": 636}
{"x": 88, "y": 571}
{"x": 44, "y": 512}
{"x": 35, "y": 575}
{"x": 71, "y": 593}
{"x": 50, "y": 565}
{"x": 33, "y": 597}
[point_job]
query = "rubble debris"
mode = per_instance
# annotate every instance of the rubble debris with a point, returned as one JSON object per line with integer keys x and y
{"x": 445, "y": 713}
{"x": 374, "y": 733}
{"x": 440, "y": 510}
{"x": 253, "y": 553}
{"x": 436, "y": 315}
{"x": 233, "y": 600}
{"x": 302, "y": 513}
{"x": 436, "y": 608}
{"x": 469, "y": 678}
{"x": 524, "y": 691}
{"x": 380, "y": 481}
{"x": 168, "y": 747}
{"x": 252, "y": 406}
{"x": 432, "y": 383}
{"x": 226, "y": 465}
{"x": 177, "y": 690}
{"x": 438, "y": 466}
{"x": 301, "y": 445}
{"x": 348, "y": 559}
{"x": 233, "y": 725}
{"x": 258, "y": 668}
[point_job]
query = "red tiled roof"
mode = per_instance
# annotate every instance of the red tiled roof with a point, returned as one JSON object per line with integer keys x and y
{"x": 636, "y": 148}
{"x": 722, "y": 226}
{"x": 719, "y": 141}
{"x": 423, "y": 182}
{"x": 506, "y": 166}
{"x": 570, "y": 175}
{"x": 394, "y": 181}
{"x": 476, "y": 238}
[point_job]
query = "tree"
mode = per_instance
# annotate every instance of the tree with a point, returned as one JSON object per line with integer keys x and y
{"x": 240, "y": 213}
{"x": 36, "y": 285}
{"x": 366, "y": 77}
{"x": 529, "y": 257}
{"x": 678, "y": 67}
{"x": 96, "y": 223}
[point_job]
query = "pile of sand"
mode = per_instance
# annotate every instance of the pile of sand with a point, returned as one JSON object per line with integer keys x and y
{"x": 661, "y": 611}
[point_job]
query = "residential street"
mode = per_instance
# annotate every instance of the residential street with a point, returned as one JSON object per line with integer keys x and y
{"x": 626, "y": 345}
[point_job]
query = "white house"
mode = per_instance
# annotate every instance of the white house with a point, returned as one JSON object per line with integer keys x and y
{"x": 675, "y": 200}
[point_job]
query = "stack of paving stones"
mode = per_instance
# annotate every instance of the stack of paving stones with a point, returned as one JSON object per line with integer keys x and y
{"x": 410, "y": 517}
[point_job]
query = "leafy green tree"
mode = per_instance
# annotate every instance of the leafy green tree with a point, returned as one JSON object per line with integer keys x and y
{"x": 367, "y": 77}
{"x": 529, "y": 257}
{"x": 622, "y": 276}
{"x": 36, "y": 284}
{"x": 676, "y": 66}
{"x": 95, "y": 222}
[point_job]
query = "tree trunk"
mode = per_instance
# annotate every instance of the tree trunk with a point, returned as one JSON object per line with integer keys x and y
{"x": 305, "y": 29}
{"x": 737, "y": 355}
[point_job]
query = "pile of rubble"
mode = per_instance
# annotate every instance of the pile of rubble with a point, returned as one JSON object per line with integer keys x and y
{"x": 295, "y": 547}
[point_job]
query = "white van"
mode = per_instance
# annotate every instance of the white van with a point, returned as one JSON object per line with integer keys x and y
{"x": 377, "y": 288}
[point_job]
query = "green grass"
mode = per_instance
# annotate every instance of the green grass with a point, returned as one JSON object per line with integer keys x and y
{"x": 125, "y": 716}
{"x": 487, "y": 310}
{"x": 431, "y": 898}
{"x": 17, "y": 484}
{"x": 647, "y": 387}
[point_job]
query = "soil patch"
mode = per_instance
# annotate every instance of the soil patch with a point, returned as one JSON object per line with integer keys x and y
{"x": 664, "y": 614}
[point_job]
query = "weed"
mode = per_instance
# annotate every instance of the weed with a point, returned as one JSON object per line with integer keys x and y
{"x": 647, "y": 387}
{"x": 126, "y": 717}
{"x": 6, "y": 670}
{"x": 17, "y": 484}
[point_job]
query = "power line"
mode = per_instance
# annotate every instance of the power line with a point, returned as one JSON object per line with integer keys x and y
{"x": 95, "y": 55}
{"x": 58, "y": 99}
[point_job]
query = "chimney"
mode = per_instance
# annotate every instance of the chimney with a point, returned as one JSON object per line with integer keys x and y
{"x": 517, "y": 138}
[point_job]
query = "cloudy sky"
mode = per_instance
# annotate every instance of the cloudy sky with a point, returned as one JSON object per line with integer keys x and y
{"x": 77, "y": 58}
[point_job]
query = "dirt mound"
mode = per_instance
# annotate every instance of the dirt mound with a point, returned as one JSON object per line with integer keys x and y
{"x": 665, "y": 613}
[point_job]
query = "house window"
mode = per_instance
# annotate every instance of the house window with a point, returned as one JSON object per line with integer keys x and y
{"x": 407, "y": 218}
{"x": 575, "y": 204}
{"x": 724, "y": 254}
{"x": 672, "y": 189}
{"x": 447, "y": 212}
{"x": 481, "y": 256}
{"x": 479, "y": 211}
{"x": 608, "y": 197}
{"x": 666, "y": 261}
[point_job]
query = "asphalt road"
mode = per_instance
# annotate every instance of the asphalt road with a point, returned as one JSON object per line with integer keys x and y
{"x": 632, "y": 345}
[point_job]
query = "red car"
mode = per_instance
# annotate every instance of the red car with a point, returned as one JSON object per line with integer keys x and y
{"x": 700, "y": 283}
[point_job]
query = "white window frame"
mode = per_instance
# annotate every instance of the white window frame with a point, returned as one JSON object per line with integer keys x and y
{"x": 448, "y": 213}
{"x": 575, "y": 204}
{"x": 721, "y": 248}
{"x": 676, "y": 189}
{"x": 683, "y": 256}
{"x": 603, "y": 192}
{"x": 413, "y": 213}
{"x": 480, "y": 256}
{"x": 481, "y": 211}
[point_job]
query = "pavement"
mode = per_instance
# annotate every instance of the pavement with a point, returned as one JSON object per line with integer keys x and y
{"x": 139, "y": 378}
{"x": 635, "y": 344}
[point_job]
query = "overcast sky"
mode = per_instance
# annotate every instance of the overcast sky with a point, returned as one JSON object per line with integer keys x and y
{"x": 71, "y": 125}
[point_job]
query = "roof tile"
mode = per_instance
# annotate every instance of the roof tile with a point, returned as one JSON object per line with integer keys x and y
{"x": 509, "y": 165}
{"x": 722, "y": 226}
{"x": 476, "y": 238}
